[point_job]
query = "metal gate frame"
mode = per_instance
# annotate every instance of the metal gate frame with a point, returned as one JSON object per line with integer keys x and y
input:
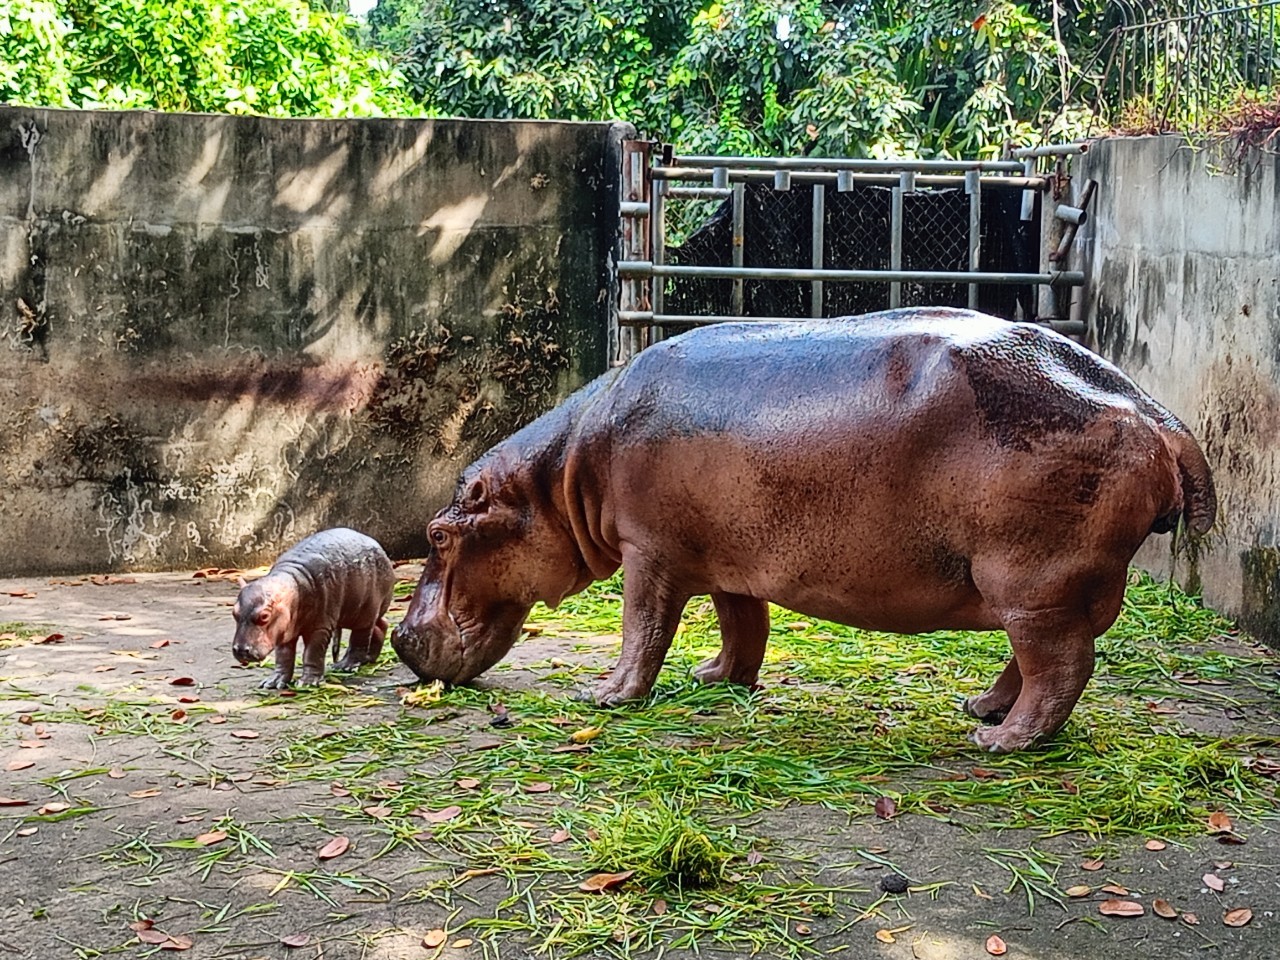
{"x": 647, "y": 186}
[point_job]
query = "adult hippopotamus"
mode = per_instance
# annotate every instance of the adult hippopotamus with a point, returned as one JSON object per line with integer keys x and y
{"x": 904, "y": 471}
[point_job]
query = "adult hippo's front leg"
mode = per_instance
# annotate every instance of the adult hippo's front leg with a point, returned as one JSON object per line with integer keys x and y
{"x": 651, "y": 608}
{"x": 744, "y": 631}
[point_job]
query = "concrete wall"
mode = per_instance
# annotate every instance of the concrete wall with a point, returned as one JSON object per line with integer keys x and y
{"x": 1183, "y": 254}
{"x": 221, "y": 334}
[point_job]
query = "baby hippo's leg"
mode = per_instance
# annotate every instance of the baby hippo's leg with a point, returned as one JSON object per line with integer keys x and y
{"x": 286, "y": 654}
{"x": 364, "y": 647}
{"x": 314, "y": 646}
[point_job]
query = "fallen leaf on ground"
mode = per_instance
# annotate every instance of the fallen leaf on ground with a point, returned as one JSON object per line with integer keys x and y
{"x": 338, "y": 790}
{"x": 212, "y": 837}
{"x": 560, "y": 836}
{"x": 13, "y": 802}
{"x": 143, "y": 794}
{"x": 659, "y": 907}
{"x": 116, "y": 616}
{"x": 434, "y": 938}
{"x": 996, "y": 946}
{"x": 23, "y": 594}
{"x": 540, "y": 787}
{"x": 19, "y": 764}
{"x": 1121, "y": 908}
{"x": 334, "y": 848}
{"x": 1190, "y": 919}
{"x": 1163, "y": 908}
{"x": 979, "y": 892}
{"x": 31, "y": 744}
{"x": 754, "y": 857}
{"x": 1219, "y": 822}
{"x": 440, "y": 816}
{"x": 217, "y": 718}
{"x": 1092, "y": 865}
{"x": 177, "y": 943}
{"x": 884, "y": 936}
{"x": 160, "y": 644}
{"x": 1155, "y": 845}
{"x": 1229, "y": 837}
{"x": 116, "y": 773}
{"x": 468, "y": 783}
{"x": 1223, "y": 864}
{"x": 178, "y": 716}
{"x": 296, "y": 940}
{"x": 803, "y": 929}
{"x": 246, "y": 734}
{"x": 56, "y": 807}
{"x": 1079, "y": 890}
{"x": 1238, "y": 917}
{"x": 1115, "y": 888}
{"x": 1213, "y": 882}
{"x": 143, "y": 924}
{"x": 190, "y": 818}
{"x": 466, "y": 875}
{"x": 378, "y": 812}
{"x": 586, "y": 734}
{"x": 601, "y": 882}
{"x": 188, "y": 698}
{"x": 52, "y": 638}
{"x": 151, "y": 936}
{"x": 886, "y": 807}
{"x": 26, "y": 831}
{"x": 460, "y": 944}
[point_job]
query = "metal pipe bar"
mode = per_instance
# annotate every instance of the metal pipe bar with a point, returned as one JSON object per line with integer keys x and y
{"x": 974, "y": 188}
{"x": 739, "y": 228}
{"x": 699, "y": 174}
{"x": 629, "y": 318}
{"x": 657, "y": 250}
{"x": 1052, "y": 150}
{"x": 1070, "y": 214}
{"x": 643, "y": 268}
{"x": 635, "y": 208}
{"x": 1197, "y": 15}
{"x": 843, "y": 163}
{"x": 895, "y": 246}
{"x": 816, "y": 245}
{"x": 697, "y": 193}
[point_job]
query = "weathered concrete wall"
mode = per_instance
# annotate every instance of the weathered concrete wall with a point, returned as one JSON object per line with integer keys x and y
{"x": 222, "y": 334}
{"x": 1183, "y": 254}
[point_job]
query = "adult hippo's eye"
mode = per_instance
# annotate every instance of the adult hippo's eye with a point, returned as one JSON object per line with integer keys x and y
{"x": 439, "y": 536}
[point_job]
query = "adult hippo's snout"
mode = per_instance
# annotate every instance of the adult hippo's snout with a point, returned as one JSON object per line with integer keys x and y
{"x": 441, "y": 638}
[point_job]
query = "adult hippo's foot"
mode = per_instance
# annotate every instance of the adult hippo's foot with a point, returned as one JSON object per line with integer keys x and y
{"x": 994, "y": 705}
{"x": 744, "y": 629}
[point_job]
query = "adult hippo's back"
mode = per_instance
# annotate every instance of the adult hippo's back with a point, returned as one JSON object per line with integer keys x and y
{"x": 904, "y": 471}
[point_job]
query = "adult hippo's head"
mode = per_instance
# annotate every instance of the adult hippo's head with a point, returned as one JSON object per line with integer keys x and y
{"x": 500, "y": 546}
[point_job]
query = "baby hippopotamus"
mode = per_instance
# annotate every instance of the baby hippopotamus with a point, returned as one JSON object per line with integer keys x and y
{"x": 333, "y": 580}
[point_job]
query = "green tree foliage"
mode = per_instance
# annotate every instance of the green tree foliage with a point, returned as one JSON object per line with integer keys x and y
{"x": 756, "y": 76}
{"x": 276, "y": 57}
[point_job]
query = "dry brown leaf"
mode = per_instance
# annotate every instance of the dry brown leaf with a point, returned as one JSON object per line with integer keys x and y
{"x": 466, "y": 875}
{"x": 143, "y": 794}
{"x": 151, "y": 936}
{"x": 378, "y": 812}
{"x": 754, "y": 857}
{"x": 212, "y": 837}
{"x": 143, "y": 924}
{"x": 160, "y": 644}
{"x": 31, "y": 744}
{"x": 334, "y": 848}
{"x": 1238, "y": 917}
{"x": 1190, "y": 919}
{"x": 296, "y": 940}
{"x": 540, "y": 787}
{"x": 1223, "y": 864}
{"x": 468, "y": 783}
{"x": 995, "y": 946}
{"x": 586, "y": 734}
{"x": 56, "y": 807}
{"x": 1121, "y": 908}
{"x": 601, "y": 882}
{"x": 1155, "y": 845}
{"x": 217, "y": 718}
{"x": 188, "y": 698}
{"x": 52, "y": 638}
{"x": 659, "y": 907}
{"x": 1163, "y": 908}
{"x": 462, "y": 943}
{"x": 440, "y": 816}
{"x": 1213, "y": 882}
{"x": 1219, "y": 822}
{"x": 884, "y": 936}
{"x": 1092, "y": 865}
{"x": 26, "y": 831}
{"x": 886, "y": 807}
{"x": 560, "y": 836}
{"x": 19, "y": 764}
{"x": 178, "y": 716}
{"x": 1079, "y": 890}
{"x": 116, "y": 773}
{"x": 175, "y": 942}
{"x": 190, "y": 818}
{"x": 14, "y": 802}
{"x": 434, "y": 938}
{"x": 1114, "y": 888}
{"x": 246, "y": 734}
{"x": 803, "y": 929}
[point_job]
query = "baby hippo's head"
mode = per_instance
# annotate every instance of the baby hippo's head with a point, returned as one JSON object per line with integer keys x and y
{"x": 264, "y": 619}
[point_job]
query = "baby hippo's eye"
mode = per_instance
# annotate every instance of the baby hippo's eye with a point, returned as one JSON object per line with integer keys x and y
{"x": 261, "y": 617}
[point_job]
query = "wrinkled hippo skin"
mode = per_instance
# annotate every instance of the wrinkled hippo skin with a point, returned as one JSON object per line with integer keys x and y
{"x": 337, "y": 579}
{"x": 905, "y": 471}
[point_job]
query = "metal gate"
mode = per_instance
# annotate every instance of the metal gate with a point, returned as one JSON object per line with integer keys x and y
{"x": 795, "y": 238}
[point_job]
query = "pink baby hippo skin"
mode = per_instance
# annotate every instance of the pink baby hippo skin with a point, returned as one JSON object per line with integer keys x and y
{"x": 337, "y": 579}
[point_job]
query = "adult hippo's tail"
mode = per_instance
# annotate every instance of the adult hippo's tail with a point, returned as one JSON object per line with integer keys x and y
{"x": 1199, "y": 501}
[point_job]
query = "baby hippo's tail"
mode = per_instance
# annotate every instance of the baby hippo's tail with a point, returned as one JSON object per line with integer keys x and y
{"x": 1199, "y": 501}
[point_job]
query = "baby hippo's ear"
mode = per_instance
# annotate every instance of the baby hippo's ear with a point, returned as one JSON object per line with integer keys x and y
{"x": 240, "y": 584}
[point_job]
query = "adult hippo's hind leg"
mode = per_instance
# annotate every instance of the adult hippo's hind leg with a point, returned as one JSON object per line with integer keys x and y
{"x": 744, "y": 630}
{"x": 994, "y": 705}
{"x": 651, "y": 608}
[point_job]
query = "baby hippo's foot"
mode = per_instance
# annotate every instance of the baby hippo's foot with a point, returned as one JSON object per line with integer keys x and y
{"x": 720, "y": 669}
{"x": 986, "y": 708}
{"x": 277, "y": 681}
{"x": 349, "y": 663}
{"x": 310, "y": 678}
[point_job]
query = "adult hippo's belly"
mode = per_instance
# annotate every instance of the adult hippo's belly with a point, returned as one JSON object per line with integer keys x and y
{"x": 905, "y": 471}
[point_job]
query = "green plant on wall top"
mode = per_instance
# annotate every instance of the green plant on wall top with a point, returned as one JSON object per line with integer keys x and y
{"x": 274, "y": 57}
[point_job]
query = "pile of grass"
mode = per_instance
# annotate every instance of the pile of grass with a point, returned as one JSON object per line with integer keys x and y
{"x": 666, "y": 846}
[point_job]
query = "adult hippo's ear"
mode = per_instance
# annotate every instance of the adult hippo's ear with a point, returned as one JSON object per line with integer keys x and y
{"x": 476, "y": 497}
